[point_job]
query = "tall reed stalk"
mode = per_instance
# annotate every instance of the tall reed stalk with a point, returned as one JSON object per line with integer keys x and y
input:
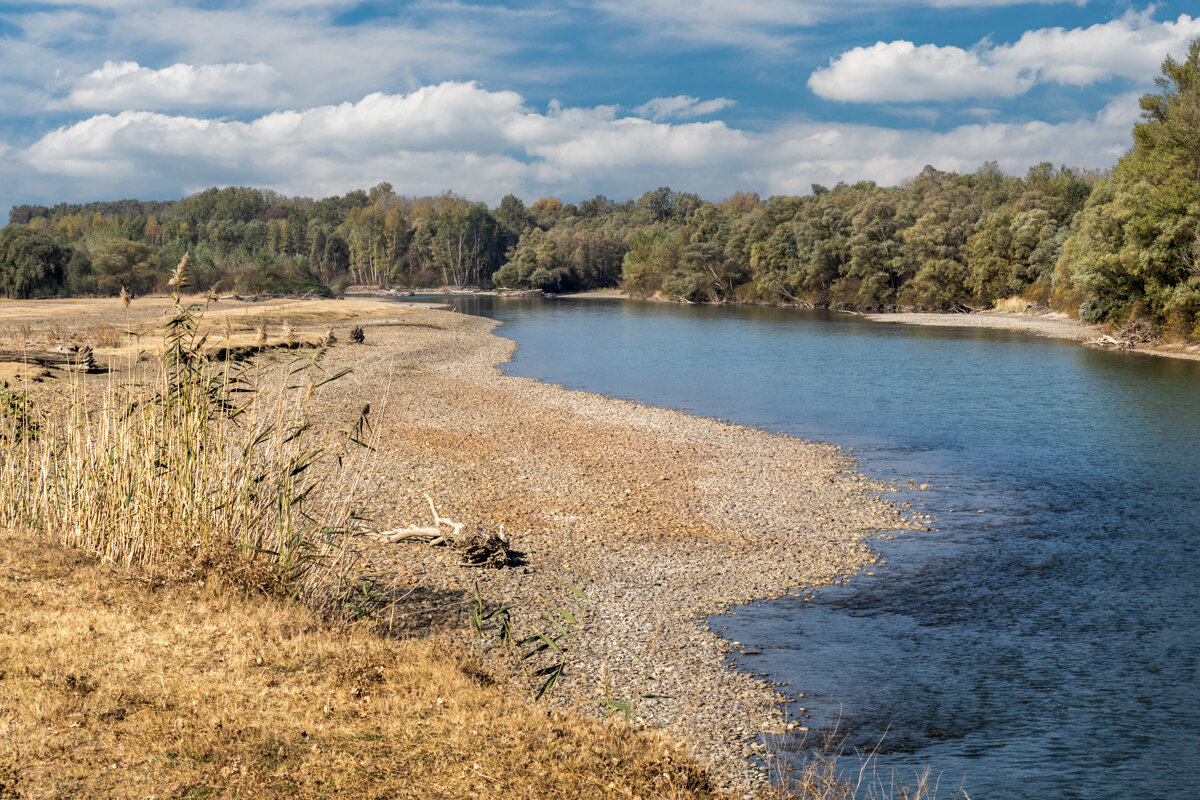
{"x": 180, "y": 464}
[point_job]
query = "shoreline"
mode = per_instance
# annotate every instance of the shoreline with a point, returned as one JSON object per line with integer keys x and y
{"x": 661, "y": 518}
{"x": 1054, "y": 325}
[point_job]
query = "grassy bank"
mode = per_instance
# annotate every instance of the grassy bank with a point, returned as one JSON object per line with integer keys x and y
{"x": 112, "y": 685}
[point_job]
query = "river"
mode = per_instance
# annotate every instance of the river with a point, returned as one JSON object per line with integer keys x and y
{"x": 1044, "y": 648}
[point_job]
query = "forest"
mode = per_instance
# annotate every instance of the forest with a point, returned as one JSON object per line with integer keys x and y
{"x": 1109, "y": 247}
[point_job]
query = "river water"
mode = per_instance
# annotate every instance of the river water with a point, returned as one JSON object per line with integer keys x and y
{"x": 1045, "y": 648}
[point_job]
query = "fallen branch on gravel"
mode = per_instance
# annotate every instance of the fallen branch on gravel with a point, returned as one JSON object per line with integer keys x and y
{"x": 79, "y": 358}
{"x": 243, "y": 352}
{"x": 480, "y": 548}
{"x": 1136, "y": 333}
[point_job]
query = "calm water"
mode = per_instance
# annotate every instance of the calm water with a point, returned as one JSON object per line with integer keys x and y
{"x": 1046, "y": 648}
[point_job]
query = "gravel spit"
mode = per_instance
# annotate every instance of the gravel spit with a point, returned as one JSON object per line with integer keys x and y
{"x": 660, "y": 518}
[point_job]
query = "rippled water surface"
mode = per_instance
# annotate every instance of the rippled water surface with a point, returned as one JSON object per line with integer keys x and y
{"x": 1045, "y": 648}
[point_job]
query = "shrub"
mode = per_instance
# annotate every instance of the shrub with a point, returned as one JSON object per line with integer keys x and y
{"x": 1094, "y": 311}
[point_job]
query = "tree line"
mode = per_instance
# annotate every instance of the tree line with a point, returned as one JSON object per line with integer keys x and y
{"x": 1103, "y": 247}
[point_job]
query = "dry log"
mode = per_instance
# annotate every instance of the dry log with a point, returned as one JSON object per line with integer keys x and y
{"x": 505, "y": 292}
{"x": 1132, "y": 335}
{"x": 478, "y": 547}
{"x": 79, "y": 358}
{"x": 243, "y": 352}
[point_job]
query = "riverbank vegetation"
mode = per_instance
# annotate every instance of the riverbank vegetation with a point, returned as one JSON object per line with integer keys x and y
{"x": 1109, "y": 248}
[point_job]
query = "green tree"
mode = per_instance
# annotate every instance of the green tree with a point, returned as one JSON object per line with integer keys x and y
{"x": 939, "y": 284}
{"x": 512, "y": 215}
{"x": 121, "y": 263}
{"x": 653, "y": 253}
{"x": 1136, "y": 250}
{"x": 31, "y": 263}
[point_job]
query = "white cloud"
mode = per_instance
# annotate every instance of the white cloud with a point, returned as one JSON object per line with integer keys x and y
{"x": 485, "y": 144}
{"x": 814, "y": 153}
{"x": 52, "y": 52}
{"x": 128, "y": 85}
{"x": 902, "y": 72}
{"x": 1132, "y": 47}
{"x": 981, "y": 3}
{"x": 681, "y": 107}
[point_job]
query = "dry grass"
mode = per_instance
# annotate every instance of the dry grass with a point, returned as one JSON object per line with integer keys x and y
{"x": 832, "y": 775}
{"x": 1012, "y": 305}
{"x": 167, "y": 678}
{"x": 105, "y": 323}
{"x": 19, "y": 374}
{"x": 182, "y": 466}
{"x": 114, "y": 686}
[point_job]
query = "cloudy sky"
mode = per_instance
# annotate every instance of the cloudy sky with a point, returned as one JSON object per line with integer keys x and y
{"x": 104, "y": 99}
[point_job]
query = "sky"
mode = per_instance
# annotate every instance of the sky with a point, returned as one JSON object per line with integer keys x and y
{"x": 107, "y": 99}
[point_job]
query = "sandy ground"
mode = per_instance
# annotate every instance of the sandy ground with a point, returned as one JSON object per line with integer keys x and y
{"x": 1054, "y": 324}
{"x": 608, "y": 294}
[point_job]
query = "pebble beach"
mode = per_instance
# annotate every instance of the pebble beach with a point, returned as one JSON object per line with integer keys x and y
{"x": 655, "y": 517}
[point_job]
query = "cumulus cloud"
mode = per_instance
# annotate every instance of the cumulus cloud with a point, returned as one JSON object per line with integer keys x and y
{"x": 1132, "y": 47}
{"x": 903, "y": 72}
{"x": 814, "y": 153}
{"x": 681, "y": 107}
{"x": 128, "y": 85}
{"x": 51, "y": 50}
{"x": 487, "y": 143}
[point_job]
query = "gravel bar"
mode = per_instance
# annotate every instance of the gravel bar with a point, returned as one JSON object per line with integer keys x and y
{"x": 658, "y": 517}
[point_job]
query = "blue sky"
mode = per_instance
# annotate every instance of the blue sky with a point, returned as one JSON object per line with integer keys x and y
{"x": 103, "y": 99}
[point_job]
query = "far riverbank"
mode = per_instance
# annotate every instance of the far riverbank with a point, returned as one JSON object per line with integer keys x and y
{"x": 1053, "y": 324}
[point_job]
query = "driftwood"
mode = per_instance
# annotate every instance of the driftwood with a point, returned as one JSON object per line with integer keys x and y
{"x": 1134, "y": 334}
{"x": 479, "y": 548}
{"x": 504, "y": 292}
{"x": 243, "y": 352}
{"x": 78, "y": 358}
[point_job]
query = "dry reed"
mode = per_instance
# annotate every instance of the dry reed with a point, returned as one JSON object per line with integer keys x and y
{"x": 180, "y": 466}
{"x": 1012, "y": 305}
